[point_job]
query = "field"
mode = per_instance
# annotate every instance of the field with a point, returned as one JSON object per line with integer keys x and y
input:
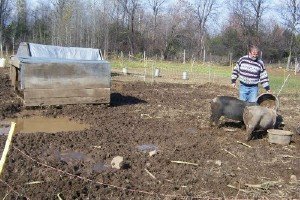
{"x": 192, "y": 159}
{"x": 201, "y": 73}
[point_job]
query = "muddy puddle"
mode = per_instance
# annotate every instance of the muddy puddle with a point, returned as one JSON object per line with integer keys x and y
{"x": 45, "y": 125}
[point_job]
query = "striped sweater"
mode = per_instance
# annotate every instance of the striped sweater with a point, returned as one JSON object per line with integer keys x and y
{"x": 250, "y": 72}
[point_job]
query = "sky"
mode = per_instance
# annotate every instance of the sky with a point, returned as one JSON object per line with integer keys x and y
{"x": 222, "y": 16}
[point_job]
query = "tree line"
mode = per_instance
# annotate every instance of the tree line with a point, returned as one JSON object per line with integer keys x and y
{"x": 162, "y": 28}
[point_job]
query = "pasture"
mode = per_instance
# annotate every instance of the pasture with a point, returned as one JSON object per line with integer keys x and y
{"x": 165, "y": 116}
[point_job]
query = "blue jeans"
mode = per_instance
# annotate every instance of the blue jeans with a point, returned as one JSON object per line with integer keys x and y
{"x": 248, "y": 93}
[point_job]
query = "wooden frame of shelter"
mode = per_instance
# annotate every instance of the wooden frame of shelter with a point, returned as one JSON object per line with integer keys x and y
{"x": 60, "y": 78}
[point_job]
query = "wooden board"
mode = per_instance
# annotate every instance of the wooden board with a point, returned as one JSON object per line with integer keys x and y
{"x": 63, "y": 93}
{"x": 105, "y": 98}
{"x": 13, "y": 76}
{"x": 14, "y": 61}
{"x": 65, "y": 75}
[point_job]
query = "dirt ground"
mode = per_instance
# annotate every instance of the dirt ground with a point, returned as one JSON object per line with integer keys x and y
{"x": 169, "y": 118}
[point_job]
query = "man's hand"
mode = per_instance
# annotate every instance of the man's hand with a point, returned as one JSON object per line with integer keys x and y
{"x": 233, "y": 85}
{"x": 269, "y": 91}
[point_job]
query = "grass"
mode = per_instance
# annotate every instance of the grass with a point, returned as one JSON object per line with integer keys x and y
{"x": 276, "y": 75}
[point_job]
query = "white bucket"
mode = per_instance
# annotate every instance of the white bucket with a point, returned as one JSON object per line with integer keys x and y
{"x": 156, "y": 73}
{"x": 2, "y": 62}
{"x": 124, "y": 70}
{"x": 185, "y": 76}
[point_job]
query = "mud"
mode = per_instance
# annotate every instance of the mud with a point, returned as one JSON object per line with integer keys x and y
{"x": 46, "y": 124}
{"x": 172, "y": 119}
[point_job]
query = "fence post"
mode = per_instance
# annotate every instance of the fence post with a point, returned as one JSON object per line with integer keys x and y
{"x": 296, "y": 65}
{"x": 288, "y": 62}
{"x": 230, "y": 60}
{"x": 184, "y": 56}
{"x": 6, "y": 51}
{"x": 1, "y": 50}
{"x": 145, "y": 64}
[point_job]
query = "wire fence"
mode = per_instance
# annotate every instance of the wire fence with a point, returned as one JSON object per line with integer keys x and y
{"x": 153, "y": 71}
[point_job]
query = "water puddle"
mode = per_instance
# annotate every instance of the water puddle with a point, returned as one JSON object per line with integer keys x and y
{"x": 192, "y": 130}
{"x": 46, "y": 125}
{"x": 145, "y": 148}
{"x": 100, "y": 167}
{"x": 72, "y": 156}
{"x": 4, "y": 128}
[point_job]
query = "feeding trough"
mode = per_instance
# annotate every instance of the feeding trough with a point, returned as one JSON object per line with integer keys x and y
{"x": 268, "y": 100}
{"x": 54, "y": 75}
{"x": 277, "y": 136}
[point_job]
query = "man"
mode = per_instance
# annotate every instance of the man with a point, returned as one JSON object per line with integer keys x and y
{"x": 250, "y": 71}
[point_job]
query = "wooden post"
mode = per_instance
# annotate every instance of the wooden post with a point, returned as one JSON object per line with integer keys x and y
{"x": 1, "y": 50}
{"x": 152, "y": 73}
{"x": 209, "y": 74}
{"x": 104, "y": 54}
{"x": 192, "y": 64}
{"x": 13, "y": 45}
{"x": 6, "y": 51}
{"x": 145, "y": 64}
{"x": 288, "y": 62}
{"x": 296, "y": 65}
{"x": 230, "y": 60}
{"x": 204, "y": 54}
{"x": 7, "y": 145}
{"x": 184, "y": 56}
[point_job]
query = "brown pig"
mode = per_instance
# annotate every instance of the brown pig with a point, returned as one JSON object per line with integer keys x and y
{"x": 260, "y": 118}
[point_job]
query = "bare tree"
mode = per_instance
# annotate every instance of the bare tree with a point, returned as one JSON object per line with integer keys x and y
{"x": 153, "y": 29}
{"x": 155, "y": 6}
{"x": 4, "y": 13}
{"x": 246, "y": 18}
{"x": 130, "y": 7}
{"x": 290, "y": 11}
{"x": 204, "y": 10}
{"x": 61, "y": 21}
{"x": 259, "y": 7}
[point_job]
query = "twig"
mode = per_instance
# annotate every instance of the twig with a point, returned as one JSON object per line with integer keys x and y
{"x": 182, "y": 162}
{"x": 150, "y": 174}
{"x": 242, "y": 190}
{"x": 6, "y": 195}
{"x": 7, "y": 144}
{"x": 288, "y": 156}
{"x": 97, "y": 147}
{"x": 229, "y": 130}
{"x": 10, "y": 187}
{"x": 58, "y": 196}
{"x": 146, "y": 116}
{"x": 244, "y": 144}
{"x": 264, "y": 185}
{"x": 34, "y": 182}
{"x": 230, "y": 153}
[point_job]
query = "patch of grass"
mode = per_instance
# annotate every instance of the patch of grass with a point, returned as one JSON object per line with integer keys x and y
{"x": 276, "y": 75}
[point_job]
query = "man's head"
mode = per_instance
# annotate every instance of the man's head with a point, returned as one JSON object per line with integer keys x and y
{"x": 253, "y": 52}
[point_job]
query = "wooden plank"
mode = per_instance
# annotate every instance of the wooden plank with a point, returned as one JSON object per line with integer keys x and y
{"x": 66, "y": 75}
{"x": 66, "y": 100}
{"x": 7, "y": 145}
{"x": 62, "y": 92}
{"x": 14, "y": 61}
{"x": 13, "y": 75}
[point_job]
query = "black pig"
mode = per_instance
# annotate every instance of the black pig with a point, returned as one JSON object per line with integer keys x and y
{"x": 229, "y": 107}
